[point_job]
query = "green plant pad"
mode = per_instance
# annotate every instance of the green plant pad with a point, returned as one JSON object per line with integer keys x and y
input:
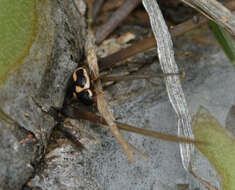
{"x": 17, "y": 31}
{"x": 221, "y": 149}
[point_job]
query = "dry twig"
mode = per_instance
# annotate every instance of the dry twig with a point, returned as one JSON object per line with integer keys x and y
{"x": 117, "y": 17}
{"x": 85, "y": 115}
{"x": 134, "y": 77}
{"x": 102, "y": 104}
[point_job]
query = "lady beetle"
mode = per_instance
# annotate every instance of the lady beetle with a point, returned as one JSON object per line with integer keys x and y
{"x": 82, "y": 84}
{"x": 81, "y": 79}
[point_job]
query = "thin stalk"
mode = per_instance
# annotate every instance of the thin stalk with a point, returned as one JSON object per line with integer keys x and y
{"x": 81, "y": 114}
{"x": 134, "y": 77}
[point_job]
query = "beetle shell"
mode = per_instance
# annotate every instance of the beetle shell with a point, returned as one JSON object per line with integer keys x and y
{"x": 81, "y": 86}
{"x": 81, "y": 79}
{"x": 86, "y": 96}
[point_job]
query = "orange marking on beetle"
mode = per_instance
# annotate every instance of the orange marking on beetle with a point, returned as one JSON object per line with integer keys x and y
{"x": 75, "y": 95}
{"x": 74, "y": 76}
{"x": 78, "y": 89}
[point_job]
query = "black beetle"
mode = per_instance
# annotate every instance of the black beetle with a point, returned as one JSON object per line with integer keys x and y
{"x": 81, "y": 86}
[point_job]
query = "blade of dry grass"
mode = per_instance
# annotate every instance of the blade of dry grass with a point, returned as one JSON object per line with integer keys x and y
{"x": 173, "y": 85}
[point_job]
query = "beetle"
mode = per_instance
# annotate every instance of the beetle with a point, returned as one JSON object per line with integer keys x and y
{"x": 82, "y": 85}
{"x": 81, "y": 79}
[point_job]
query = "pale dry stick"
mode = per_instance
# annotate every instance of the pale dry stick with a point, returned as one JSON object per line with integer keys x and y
{"x": 173, "y": 85}
{"x": 102, "y": 104}
{"x": 117, "y": 17}
{"x": 97, "y": 119}
{"x": 145, "y": 158}
{"x": 104, "y": 110}
{"x": 214, "y": 11}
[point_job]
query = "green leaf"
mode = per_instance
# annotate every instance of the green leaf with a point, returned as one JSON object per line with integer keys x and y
{"x": 221, "y": 149}
{"x": 17, "y": 29}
